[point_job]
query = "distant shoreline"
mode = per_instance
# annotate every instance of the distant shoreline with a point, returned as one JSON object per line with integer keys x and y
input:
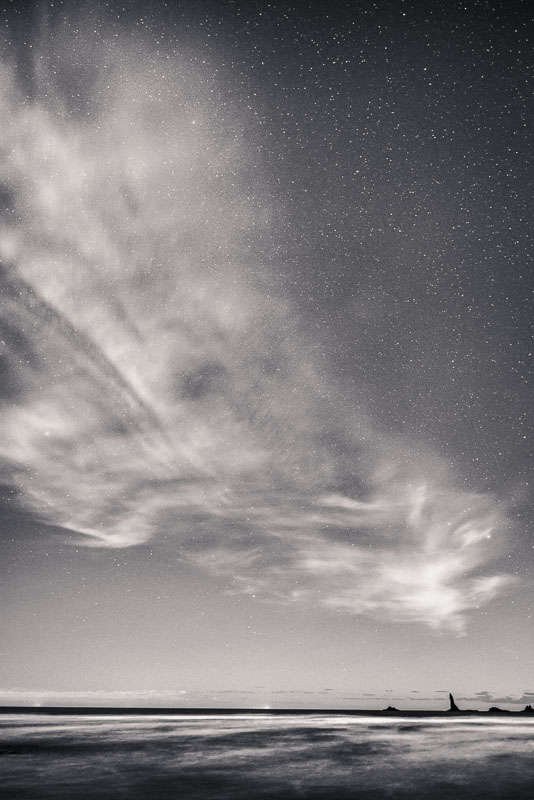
{"x": 260, "y": 712}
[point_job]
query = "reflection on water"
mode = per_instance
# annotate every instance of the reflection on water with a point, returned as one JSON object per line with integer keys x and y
{"x": 285, "y": 757}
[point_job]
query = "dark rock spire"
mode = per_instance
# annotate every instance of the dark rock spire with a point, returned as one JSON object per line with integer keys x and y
{"x": 453, "y": 706}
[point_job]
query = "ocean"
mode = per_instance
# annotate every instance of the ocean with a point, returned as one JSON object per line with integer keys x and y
{"x": 214, "y": 757}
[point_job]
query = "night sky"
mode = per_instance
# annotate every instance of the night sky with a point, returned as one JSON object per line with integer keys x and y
{"x": 266, "y": 330}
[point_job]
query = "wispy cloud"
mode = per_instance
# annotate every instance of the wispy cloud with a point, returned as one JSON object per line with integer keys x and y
{"x": 91, "y": 697}
{"x": 487, "y": 697}
{"x": 154, "y": 384}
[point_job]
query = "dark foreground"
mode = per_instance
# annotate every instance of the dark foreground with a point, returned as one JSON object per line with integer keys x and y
{"x": 217, "y": 756}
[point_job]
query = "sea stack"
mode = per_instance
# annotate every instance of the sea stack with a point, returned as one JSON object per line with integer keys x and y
{"x": 452, "y": 707}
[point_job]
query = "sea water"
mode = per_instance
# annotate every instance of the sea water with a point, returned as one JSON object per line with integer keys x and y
{"x": 267, "y": 756}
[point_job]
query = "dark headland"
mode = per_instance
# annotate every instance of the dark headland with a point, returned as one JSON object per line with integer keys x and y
{"x": 156, "y": 711}
{"x": 453, "y": 709}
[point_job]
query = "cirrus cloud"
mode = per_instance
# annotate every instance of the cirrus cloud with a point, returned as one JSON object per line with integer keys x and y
{"x": 154, "y": 384}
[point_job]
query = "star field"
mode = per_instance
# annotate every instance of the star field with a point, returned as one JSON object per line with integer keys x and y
{"x": 267, "y": 347}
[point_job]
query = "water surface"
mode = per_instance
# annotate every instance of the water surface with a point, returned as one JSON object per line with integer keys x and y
{"x": 248, "y": 756}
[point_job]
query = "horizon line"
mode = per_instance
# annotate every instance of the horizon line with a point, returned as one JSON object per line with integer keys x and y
{"x": 257, "y": 710}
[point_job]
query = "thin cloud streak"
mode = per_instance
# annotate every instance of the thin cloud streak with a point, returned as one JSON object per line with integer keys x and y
{"x": 155, "y": 385}
{"x": 526, "y": 698}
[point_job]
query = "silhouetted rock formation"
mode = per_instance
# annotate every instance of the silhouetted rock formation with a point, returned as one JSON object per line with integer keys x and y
{"x": 391, "y": 708}
{"x": 528, "y": 710}
{"x": 453, "y": 707}
{"x": 497, "y": 710}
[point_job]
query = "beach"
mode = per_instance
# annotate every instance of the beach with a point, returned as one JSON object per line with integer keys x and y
{"x": 210, "y": 756}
